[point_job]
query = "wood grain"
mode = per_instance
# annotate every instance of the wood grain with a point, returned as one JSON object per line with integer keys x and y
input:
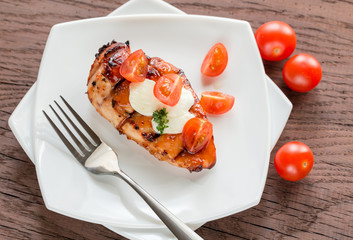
{"x": 318, "y": 207}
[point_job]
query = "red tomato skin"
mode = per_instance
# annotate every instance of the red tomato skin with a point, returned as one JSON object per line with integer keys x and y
{"x": 294, "y": 160}
{"x": 168, "y": 89}
{"x": 276, "y": 40}
{"x": 216, "y": 103}
{"x": 302, "y": 72}
{"x": 215, "y": 61}
{"x": 197, "y": 134}
{"x": 134, "y": 68}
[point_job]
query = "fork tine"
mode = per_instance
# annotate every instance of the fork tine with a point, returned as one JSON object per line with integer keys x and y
{"x": 81, "y": 147}
{"x": 71, "y": 148}
{"x": 83, "y": 124}
{"x": 83, "y": 137}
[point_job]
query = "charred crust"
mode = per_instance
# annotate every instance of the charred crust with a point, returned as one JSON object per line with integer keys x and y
{"x": 152, "y": 73}
{"x": 150, "y": 136}
{"x": 127, "y": 43}
{"x": 113, "y": 103}
{"x": 164, "y": 152}
{"x": 118, "y": 84}
{"x": 101, "y": 49}
{"x": 114, "y": 56}
{"x": 196, "y": 169}
{"x": 115, "y": 48}
{"x": 108, "y": 73}
{"x": 137, "y": 127}
{"x": 94, "y": 83}
{"x": 105, "y": 46}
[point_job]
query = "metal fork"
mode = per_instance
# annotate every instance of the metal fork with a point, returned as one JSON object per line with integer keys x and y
{"x": 98, "y": 148}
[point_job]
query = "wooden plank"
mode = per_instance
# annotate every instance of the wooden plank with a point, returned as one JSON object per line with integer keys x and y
{"x": 318, "y": 207}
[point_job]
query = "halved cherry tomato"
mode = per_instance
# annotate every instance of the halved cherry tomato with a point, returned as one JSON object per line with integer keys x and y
{"x": 196, "y": 134}
{"x": 134, "y": 68}
{"x": 216, "y": 102}
{"x": 276, "y": 40}
{"x": 168, "y": 89}
{"x": 302, "y": 72}
{"x": 215, "y": 61}
{"x": 294, "y": 160}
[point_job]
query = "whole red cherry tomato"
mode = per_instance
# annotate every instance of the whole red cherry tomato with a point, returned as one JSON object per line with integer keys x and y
{"x": 215, "y": 61}
{"x": 302, "y": 72}
{"x": 276, "y": 40}
{"x": 294, "y": 160}
{"x": 196, "y": 134}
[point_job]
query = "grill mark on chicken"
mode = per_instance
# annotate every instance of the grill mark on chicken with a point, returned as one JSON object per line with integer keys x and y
{"x": 109, "y": 94}
{"x": 149, "y": 136}
{"x": 117, "y": 85}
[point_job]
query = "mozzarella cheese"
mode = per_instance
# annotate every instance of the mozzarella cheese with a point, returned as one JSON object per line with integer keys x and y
{"x": 144, "y": 102}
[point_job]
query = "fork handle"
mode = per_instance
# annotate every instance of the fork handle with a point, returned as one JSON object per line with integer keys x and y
{"x": 175, "y": 225}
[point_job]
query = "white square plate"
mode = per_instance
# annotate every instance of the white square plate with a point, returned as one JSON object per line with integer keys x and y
{"x": 234, "y": 184}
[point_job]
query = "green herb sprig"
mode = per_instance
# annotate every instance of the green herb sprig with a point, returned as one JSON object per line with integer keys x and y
{"x": 160, "y": 117}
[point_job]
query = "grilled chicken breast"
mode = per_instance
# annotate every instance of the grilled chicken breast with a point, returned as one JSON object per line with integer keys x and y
{"x": 108, "y": 91}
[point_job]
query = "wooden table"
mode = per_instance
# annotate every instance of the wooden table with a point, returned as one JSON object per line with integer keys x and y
{"x": 318, "y": 207}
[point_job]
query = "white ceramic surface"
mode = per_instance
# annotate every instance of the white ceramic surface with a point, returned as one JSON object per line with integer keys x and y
{"x": 280, "y": 110}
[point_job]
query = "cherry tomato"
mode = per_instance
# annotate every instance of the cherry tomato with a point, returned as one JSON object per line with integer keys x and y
{"x": 215, "y": 61}
{"x": 196, "y": 134}
{"x": 216, "y": 102}
{"x": 168, "y": 89}
{"x": 294, "y": 160}
{"x": 276, "y": 40}
{"x": 134, "y": 68}
{"x": 302, "y": 72}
